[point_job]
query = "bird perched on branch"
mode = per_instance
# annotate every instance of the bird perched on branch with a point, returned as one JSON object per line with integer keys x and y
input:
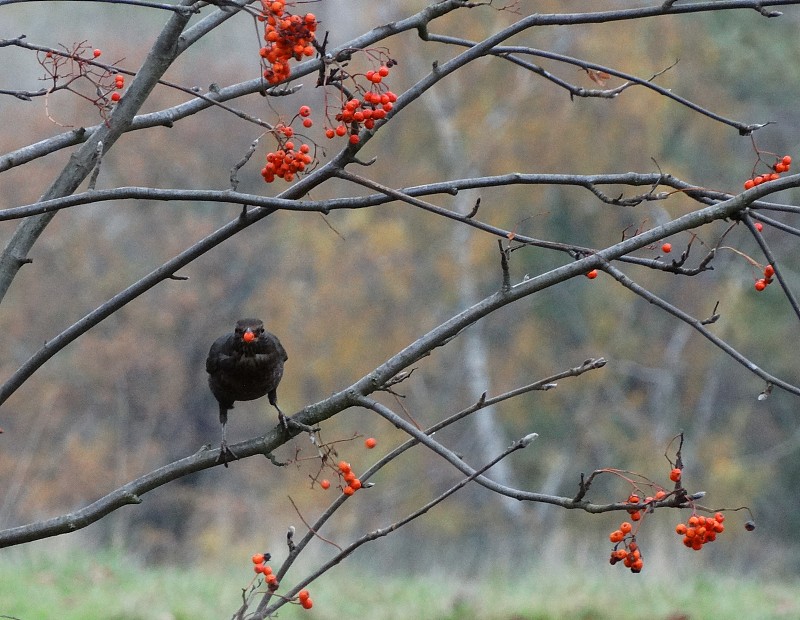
{"x": 244, "y": 365}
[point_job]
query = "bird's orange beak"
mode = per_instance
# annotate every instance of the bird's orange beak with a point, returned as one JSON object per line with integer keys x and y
{"x": 248, "y": 336}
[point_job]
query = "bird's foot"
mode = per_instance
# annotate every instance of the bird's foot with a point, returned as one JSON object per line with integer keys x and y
{"x": 226, "y": 455}
{"x": 287, "y": 423}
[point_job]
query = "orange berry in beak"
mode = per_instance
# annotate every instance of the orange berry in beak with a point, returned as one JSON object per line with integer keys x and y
{"x": 248, "y": 336}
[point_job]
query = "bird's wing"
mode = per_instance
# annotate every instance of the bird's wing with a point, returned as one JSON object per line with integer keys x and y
{"x": 273, "y": 340}
{"x": 219, "y": 356}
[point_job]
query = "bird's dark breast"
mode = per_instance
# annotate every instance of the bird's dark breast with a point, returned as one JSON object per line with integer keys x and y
{"x": 252, "y": 377}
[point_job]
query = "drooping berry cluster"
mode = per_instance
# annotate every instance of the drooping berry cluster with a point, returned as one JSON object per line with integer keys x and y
{"x": 286, "y": 162}
{"x": 260, "y": 566}
{"x": 697, "y": 531}
{"x": 781, "y": 165}
{"x": 286, "y": 37}
{"x": 375, "y": 103}
{"x": 626, "y": 549}
{"x": 628, "y": 553}
{"x": 762, "y": 283}
{"x": 305, "y": 599}
{"x": 68, "y": 68}
{"x": 353, "y": 484}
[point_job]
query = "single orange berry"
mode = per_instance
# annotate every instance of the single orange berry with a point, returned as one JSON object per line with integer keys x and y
{"x": 349, "y": 477}
{"x": 592, "y": 274}
{"x": 348, "y": 490}
{"x": 325, "y": 484}
{"x": 666, "y": 248}
{"x": 636, "y": 516}
{"x": 749, "y": 184}
{"x": 616, "y": 536}
{"x": 761, "y": 284}
{"x": 303, "y": 595}
{"x": 660, "y": 495}
{"x": 341, "y": 130}
{"x": 370, "y": 443}
{"x": 680, "y": 529}
{"x": 304, "y": 111}
{"x": 355, "y": 483}
{"x": 258, "y": 558}
{"x": 759, "y": 226}
{"x": 383, "y": 71}
{"x": 675, "y": 475}
{"x": 625, "y": 527}
{"x": 307, "y": 603}
{"x": 329, "y": 133}
{"x": 307, "y": 122}
{"x": 115, "y": 97}
{"x": 769, "y": 271}
{"x": 344, "y": 466}
{"x": 354, "y": 139}
{"x": 786, "y": 160}
{"x": 96, "y": 53}
{"x": 719, "y": 517}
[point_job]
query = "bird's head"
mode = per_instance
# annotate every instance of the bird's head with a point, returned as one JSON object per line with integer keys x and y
{"x": 248, "y": 330}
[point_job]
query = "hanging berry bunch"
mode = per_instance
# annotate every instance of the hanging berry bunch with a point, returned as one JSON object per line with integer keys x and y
{"x": 286, "y": 37}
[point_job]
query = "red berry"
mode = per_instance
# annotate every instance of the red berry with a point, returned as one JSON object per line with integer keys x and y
{"x": 675, "y": 474}
{"x": 304, "y": 111}
{"x": 786, "y": 160}
{"x": 96, "y": 53}
{"x": 303, "y": 595}
{"x": 370, "y": 443}
{"x": 307, "y": 603}
{"x": 258, "y": 558}
{"x": 325, "y": 484}
{"x": 115, "y": 97}
{"x": 592, "y": 274}
{"x": 759, "y": 226}
{"x": 769, "y": 271}
{"x": 329, "y": 133}
{"x": 749, "y": 184}
{"x": 666, "y": 248}
{"x": 383, "y": 71}
{"x": 348, "y": 490}
{"x": 761, "y": 284}
{"x": 307, "y": 122}
{"x": 354, "y": 139}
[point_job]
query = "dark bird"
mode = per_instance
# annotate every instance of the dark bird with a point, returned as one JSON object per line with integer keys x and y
{"x": 244, "y": 365}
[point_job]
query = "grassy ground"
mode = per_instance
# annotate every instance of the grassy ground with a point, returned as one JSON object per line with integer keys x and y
{"x": 104, "y": 586}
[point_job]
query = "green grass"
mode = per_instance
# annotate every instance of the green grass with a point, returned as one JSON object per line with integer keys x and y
{"x": 80, "y": 586}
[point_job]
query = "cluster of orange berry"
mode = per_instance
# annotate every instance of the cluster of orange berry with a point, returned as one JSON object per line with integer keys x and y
{"x": 375, "y": 104}
{"x": 260, "y": 566}
{"x": 629, "y": 554}
{"x": 762, "y": 283}
{"x": 782, "y": 165}
{"x": 305, "y": 599}
{"x": 353, "y": 483}
{"x": 698, "y": 531}
{"x": 286, "y": 37}
{"x": 286, "y": 162}
{"x": 119, "y": 84}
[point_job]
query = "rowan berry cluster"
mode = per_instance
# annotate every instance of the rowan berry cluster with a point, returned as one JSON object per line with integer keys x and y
{"x": 347, "y": 474}
{"x": 628, "y": 553}
{"x": 762, "y": 283}
{"x": 286, "y": 162}
{"x": 69, "y": 68}
{"x": 286, "y": 37}
{"x": 260, "y": 566}
{"x": 698, "y": 531}
{"x": 781, "y": 165}
{"x": 305, "y": 599}
{"x": 626, "y": 549}
{"x": 373, "y": 105}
